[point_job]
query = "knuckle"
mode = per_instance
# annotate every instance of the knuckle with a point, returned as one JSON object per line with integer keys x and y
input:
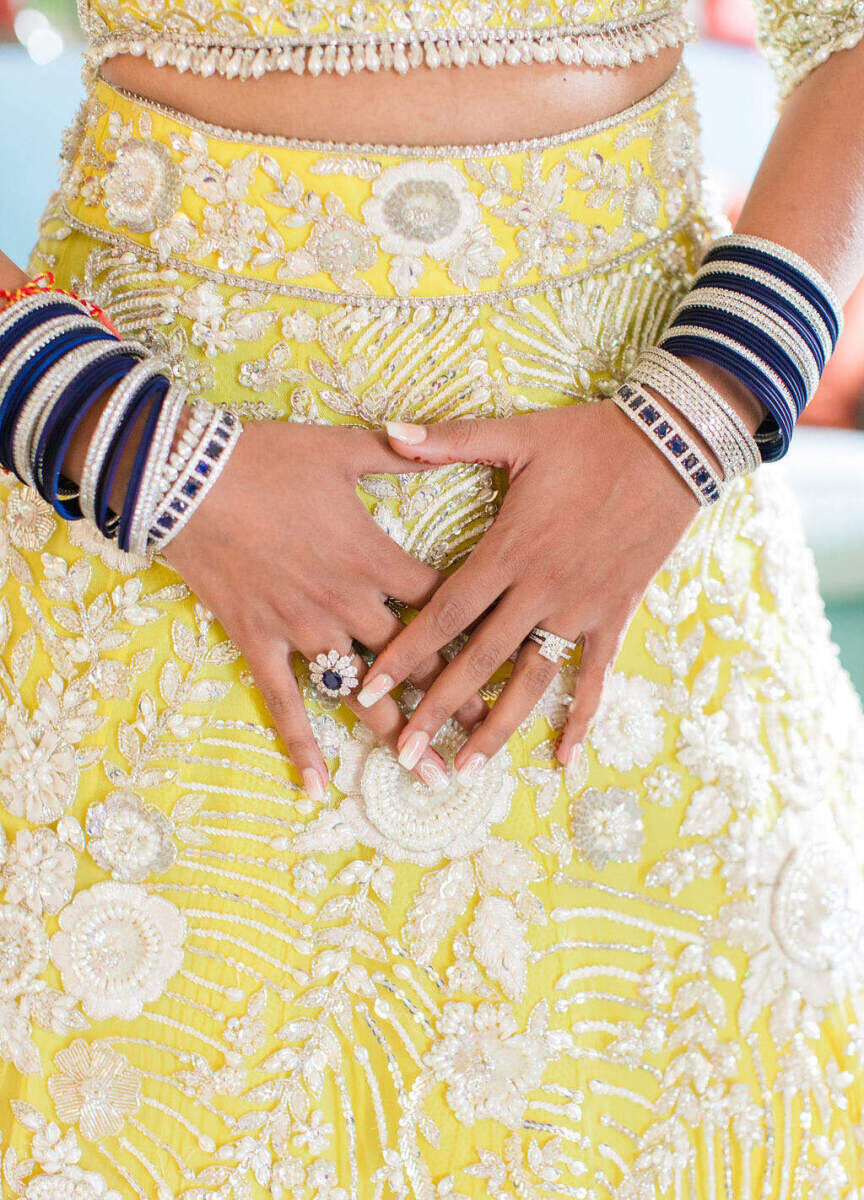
{"x": 538, "y": 675}
{"x": 450, "y": 617}
{"x": 434, "y": 713}
{"x": 299, "y": 749}
{"x": 483, "y": 660}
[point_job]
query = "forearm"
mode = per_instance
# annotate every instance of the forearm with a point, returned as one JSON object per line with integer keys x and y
{"x": 808, "y": 193}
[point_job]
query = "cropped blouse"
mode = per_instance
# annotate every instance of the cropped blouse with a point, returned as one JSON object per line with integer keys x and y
{"x": 246, "y": 38}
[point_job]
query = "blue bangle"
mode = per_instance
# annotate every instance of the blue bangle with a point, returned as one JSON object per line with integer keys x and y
{"x": 66, "y": 413}
{"x": 775, "y": 432}
{"x": 773, "y": 300}
{"x": 30, "y": 319}
{"x": 752, "y": 338}
{"x": 783, "y": 270}
{"x": 143, "y": 395}
{"x": 29, "y": 375}
{"x": 159, "y": 386}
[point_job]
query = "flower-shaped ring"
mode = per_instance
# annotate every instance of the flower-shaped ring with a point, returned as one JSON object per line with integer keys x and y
{"x": 333, "y": 673}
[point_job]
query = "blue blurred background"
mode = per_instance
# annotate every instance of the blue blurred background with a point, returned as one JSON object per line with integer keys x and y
{"x": 40, "y": 88}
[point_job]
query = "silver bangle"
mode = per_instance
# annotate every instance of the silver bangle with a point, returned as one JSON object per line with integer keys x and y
{"x": 201, "y": 412}
{"x": 110, "y": 419}
{"x": 147, "y": 500}
{"x": 810, "y": 314}
{"x": 715, "y": 420}
{"x": 652, "y": 418}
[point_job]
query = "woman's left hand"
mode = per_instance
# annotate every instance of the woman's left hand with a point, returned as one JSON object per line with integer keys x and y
{"x": 591, "y": 513}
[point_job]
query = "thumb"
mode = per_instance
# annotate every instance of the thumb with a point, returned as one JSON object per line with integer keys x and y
{"x": 497, "y": 443}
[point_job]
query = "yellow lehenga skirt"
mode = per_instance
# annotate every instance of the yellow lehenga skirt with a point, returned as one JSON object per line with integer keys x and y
{"x": 641, "y": 977}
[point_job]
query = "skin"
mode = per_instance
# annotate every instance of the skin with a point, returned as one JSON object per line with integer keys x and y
{"x": 587, "y": 570}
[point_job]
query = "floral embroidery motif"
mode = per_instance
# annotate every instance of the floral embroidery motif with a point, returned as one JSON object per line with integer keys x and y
{"x": 487, "y": 1064}
{"x": 39, "y": 871}
{"x": 142, "y": 186}
{"x": 386, "y": 807}
{"x": 93, "y": 1087}
{"x": 425, "y": 208}
{"x": 117, "y": 948}
{"x": 607, "y": 826}
{"x": 129, "y": 839}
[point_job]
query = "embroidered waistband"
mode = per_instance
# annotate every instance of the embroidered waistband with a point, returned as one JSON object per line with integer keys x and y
{"x": 340, "y": 220}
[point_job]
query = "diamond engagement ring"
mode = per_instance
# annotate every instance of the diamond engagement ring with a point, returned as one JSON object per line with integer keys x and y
{"x": 552, "y": 645}
{"x": 333, "y": 673}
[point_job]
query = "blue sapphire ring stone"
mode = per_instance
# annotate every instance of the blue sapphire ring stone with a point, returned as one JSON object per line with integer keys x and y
{"x": 333, "y": 673}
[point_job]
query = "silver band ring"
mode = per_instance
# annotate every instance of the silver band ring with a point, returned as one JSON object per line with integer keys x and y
{"x": 553, "y": 646}
{"x": 333, "y": 673}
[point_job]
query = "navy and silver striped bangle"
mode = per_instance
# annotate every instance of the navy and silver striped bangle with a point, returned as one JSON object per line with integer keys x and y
{"x": 751, "y": 325}
{"x": 144, "y": 395}
{"x": 788, "y": 266}
{"x": 650, "y": 415}
{"x": 775, "y": 432}
{"x": 747, "y": 336}
{"x": 784, "y": 300}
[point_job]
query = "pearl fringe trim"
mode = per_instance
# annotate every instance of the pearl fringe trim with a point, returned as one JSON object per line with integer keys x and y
{"x": 598, "y": 46}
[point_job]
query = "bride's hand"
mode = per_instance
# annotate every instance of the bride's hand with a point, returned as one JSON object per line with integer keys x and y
{"x": 591, "y": 513}
{"x": 286, "y": 556}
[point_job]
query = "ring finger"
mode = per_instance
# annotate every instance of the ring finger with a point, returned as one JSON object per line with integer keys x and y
{"x": 530, "y": 678}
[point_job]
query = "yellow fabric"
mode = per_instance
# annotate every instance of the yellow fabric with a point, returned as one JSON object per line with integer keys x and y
{"x": 640, "y": 977}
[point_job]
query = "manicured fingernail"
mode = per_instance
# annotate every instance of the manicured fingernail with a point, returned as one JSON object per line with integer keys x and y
{"x": 312, "y": 782}
{"x": 414, "y": 746}
{"x": 404, "y": 431}
{"x": 433, "y": 776}
{"x": 373, "y": 689}
{"x": 472, "y": 768}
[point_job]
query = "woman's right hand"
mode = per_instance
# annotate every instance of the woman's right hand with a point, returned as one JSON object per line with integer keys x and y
{"x": 285, "y": 555}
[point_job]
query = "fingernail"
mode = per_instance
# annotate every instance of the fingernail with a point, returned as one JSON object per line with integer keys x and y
{"x": 433, "y": 776}
{"x": 469, "y": 772}
{"x": 414, "y": 746}
{"x": 312, "y": 783}
{"x": 404, "y": 431}
{"x": 373, "y": 689}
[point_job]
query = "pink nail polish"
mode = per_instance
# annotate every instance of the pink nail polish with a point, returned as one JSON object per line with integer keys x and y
{"x": 467, "y": 774}
{"x": 433, "y": 776}
{"x": 312, "y": 783}
{"x": 411, "y": 752}
{"x": 404, "y": 431}
{"x": 372, "y": 691}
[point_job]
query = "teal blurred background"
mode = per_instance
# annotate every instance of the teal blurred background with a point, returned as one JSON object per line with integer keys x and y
{"x": 736, "y": 102}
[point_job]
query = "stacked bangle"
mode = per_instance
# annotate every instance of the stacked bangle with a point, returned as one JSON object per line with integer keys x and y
{"x": 768, "y": 317}
{"x": 653, "y": 419}
{"x": 718, "y": 424}
{"x": 58, "y": 357}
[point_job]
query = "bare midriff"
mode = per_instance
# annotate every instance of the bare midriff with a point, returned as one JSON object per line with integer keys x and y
{"x": 446, "y": 106}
